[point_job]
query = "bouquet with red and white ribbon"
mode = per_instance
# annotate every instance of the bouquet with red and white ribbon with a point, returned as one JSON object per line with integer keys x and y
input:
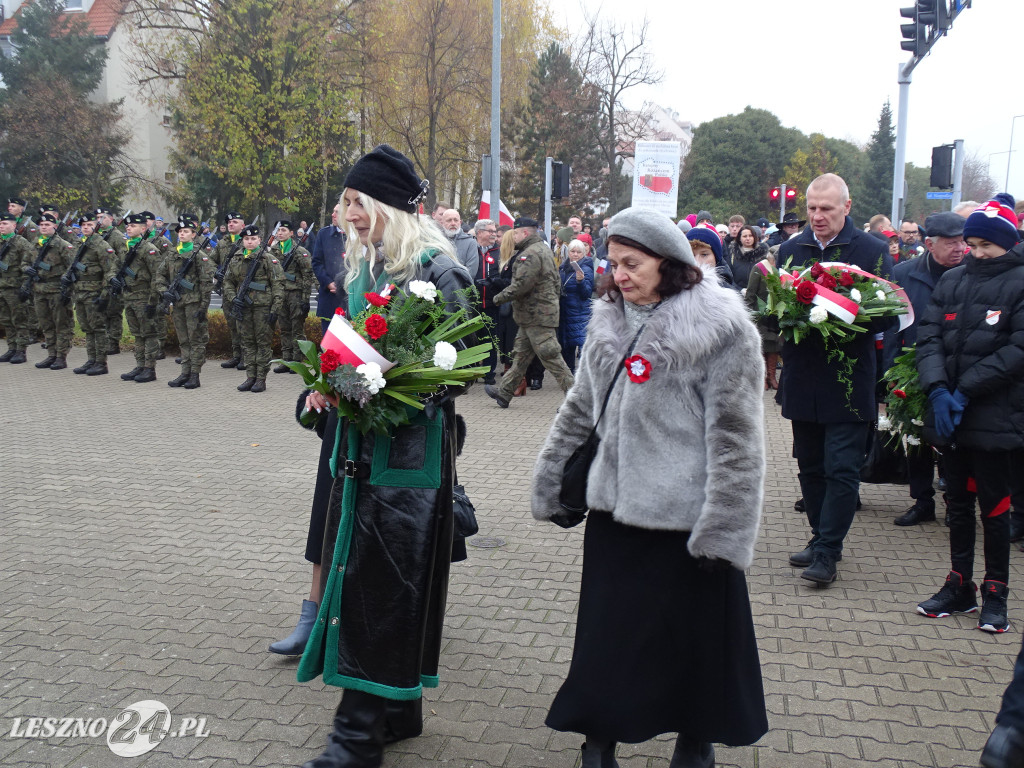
{"x": 833, "y": 299}
{"x": 392, "y": 358}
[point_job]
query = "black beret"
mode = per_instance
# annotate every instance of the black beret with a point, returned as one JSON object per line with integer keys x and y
{"x": 47, "y": 216}
{"x": 525, "y": 221}
{"x": 386, "y": 175}
{"x": 18, "y": 201}
{"x": 148, "y": 214}
{"x": 233, "y": 215}
{"x": 136, "y": 218}
{"x": 284, "y": 223}
{"x": 5, "y": 216}
{"x": 251, "y": 230}
{"x": 103, "y": 212}
{"x": 45, "y": 208}
{"x": 87, "y": 216}
{"x": 187, "y": 222}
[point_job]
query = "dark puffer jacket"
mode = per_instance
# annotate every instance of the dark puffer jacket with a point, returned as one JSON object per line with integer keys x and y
{"x": 741, "y": 263}
{"x": 574, "y": 311}
{"x": 971, "y": 339}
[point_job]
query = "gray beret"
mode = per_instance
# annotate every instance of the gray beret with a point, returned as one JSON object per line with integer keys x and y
{"x": 946, "y": 224}
{"x": 654, "y": 231}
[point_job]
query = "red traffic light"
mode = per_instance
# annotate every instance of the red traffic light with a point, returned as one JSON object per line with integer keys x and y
{"x": 790, "y": 193}
{"x": 774, "y": 194}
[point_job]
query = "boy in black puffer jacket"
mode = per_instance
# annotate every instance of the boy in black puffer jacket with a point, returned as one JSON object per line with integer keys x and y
{"x": 970, "y": 357}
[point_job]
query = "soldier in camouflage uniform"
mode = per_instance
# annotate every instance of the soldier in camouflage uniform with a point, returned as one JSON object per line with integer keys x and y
{"x": 53, "y": 314}
{"x": 256, "y": 319}
{"x": 298, "y": 282}
{"x": 154, "y": 234}
{"x": 97, "y": 265}
{"x": 534, "y": 295}
{"x": 222, "y": 253}
{"x": 15, "y": 252}
{"x": 114, "y": 303}
{"x": 23, "y": 224}
{"x": 192, "y": 303}
{"x": 142, "y": 286}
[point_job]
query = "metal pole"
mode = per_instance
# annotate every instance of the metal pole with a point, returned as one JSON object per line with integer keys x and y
{"x": 547, "y": 196}
{"x": 1009, "y": 156}
{"x": 782, "y": 204}
{"x": 958, "y": 173}
{"x": 899, "y": 169}
{"x": 496, "y": 113}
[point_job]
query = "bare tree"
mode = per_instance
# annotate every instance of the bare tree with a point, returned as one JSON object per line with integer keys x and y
{"x": 976, "y": 183}
{"x": 615, "y": 59}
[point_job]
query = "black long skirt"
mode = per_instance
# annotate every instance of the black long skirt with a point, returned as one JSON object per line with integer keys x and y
{"x": 661, "y": 645}
{"x": 322, "y": 491}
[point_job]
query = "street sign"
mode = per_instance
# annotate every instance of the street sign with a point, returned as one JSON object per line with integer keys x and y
{"x": 939, "y": 196}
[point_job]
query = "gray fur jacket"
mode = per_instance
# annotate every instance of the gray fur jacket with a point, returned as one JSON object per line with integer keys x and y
{"x": 684, "y": 450}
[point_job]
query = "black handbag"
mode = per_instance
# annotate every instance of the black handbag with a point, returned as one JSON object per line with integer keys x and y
{"x": 464, "y": 513}
{"x": 572, "y": 496}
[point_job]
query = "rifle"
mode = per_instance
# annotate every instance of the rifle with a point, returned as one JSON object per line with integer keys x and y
{"x": 21, "y": 230}
{"x": 218, "y": 277}
{"x": 106, "y": 237}
{"x": 173, "y": 293}
{"x": 117, "y": 282}
{"x": 4, "y": 266}
{"x": 242, "y": 298}
{"x": 69, "y": 278}
{"x": 291, "y": 256}
{"x": 33, "y": 272}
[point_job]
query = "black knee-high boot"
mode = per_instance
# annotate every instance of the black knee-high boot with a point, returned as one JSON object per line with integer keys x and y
{"x": 690, "y": 753}
{"x": 404, "y": 720}
{"x": 598, "y": 753}
{"x": 357, "y": 740}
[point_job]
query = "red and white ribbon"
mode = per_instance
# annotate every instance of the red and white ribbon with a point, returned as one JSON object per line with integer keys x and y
{"x": 353, "y": 348}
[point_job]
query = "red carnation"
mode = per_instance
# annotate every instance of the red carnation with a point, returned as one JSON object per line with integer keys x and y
{"x": 377, "y": 300}
{"x": 900, "y": 394}
{"x": 376, "y": 326}
{"x": 827, "y": 281}
{"x": 806, "y": 291}
{"x": 638, "y": 369}
{"x": 339, "y": 311}
{"x": 817, "y": 270}
{"x": 329, "y": 360}
{"x": 845, "y": 278}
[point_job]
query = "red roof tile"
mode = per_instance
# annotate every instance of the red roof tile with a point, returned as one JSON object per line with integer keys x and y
{"x": 101, "y": 18}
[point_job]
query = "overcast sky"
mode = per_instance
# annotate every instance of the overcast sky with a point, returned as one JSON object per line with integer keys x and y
{"x": 829, "y": 65}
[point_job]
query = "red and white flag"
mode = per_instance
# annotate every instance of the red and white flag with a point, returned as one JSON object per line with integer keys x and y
{"x": 504, "y": 216}
{"x": 342, "y": 338}
{"x": 602, "y": 266}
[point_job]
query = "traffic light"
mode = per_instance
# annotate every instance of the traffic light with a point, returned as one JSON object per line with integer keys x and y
{"x": 915, "y": 35}
{"x": 560, "y": 180}
{"x": 790, "y": 194}
{"x": 774, "y": 194}
{"x": 942, "y": 167}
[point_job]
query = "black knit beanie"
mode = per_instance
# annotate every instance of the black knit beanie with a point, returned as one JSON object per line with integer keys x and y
{"x": 385, "y": 174}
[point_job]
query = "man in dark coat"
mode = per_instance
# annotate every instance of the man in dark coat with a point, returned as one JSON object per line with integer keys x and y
{"x": 945, "y": 250}
{"x": 328, "y": 258}
{"x": 830, "y": 424}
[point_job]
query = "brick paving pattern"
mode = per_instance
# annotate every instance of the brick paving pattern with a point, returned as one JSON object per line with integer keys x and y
{"x": 152, "y": 545}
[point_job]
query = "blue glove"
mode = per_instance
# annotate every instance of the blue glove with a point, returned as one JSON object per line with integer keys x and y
{"x": 946, "y": 409}
{"x": 961, "y": 400}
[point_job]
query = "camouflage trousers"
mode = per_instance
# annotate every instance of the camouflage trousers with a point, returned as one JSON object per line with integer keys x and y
{"x": 94, "y": 322}
{"x": 292, "y": 321}
{"x": 16, "y": 319}
{"x": 256, "y": 332}
{"x": 55, "y": 321}
{"x": 535, "y": 341}
{"x": 143, "y": 328}
{"x": 115, "y": 320}
{"x": 234, "y": 335}
{"x": 161, "y": 329}
{"x": 191, "y": 323}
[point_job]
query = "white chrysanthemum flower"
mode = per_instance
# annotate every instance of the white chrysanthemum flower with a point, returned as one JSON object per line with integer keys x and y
{"x": 884, "y": 425}
{"x": 917, "y": 422}
{"x": 880, "y": 295}
{"x": 911, "y": 440}
{"x": 374, "y": 377}
{"x": 444, "y": 355}
{"x": 818, "y": 315}
{"x": 423, "y": 289}
{"x": 855, "y": 295}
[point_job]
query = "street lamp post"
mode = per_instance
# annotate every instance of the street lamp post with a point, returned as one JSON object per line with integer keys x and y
{"x": 1009, "y": 155}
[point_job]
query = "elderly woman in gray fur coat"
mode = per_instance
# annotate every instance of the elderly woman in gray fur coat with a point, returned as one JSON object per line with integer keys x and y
{"x": 664, "y": 639}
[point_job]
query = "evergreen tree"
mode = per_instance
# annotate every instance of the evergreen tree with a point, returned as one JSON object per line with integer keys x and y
{"x": 881, "y": 156}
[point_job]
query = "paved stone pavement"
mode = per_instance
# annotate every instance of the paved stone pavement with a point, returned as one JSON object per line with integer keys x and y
{"x": 152, "y": 547}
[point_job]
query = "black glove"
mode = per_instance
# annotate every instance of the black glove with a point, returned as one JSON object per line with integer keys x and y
{"x": 305, "y": 307}
{"x": 116, "y": 285}
{"x": 500, "y": 283}
{"x": 568, "y": 519}
{"x": 24, "y": 295}
{"x": 713, "y": 564}
{"x": 484, "y": 282}
{"x": 151, "y": 311}
{"x": 31, "y": 272}
{"x": 101, "y": 302}
{"x": 168, "y": 297}
{"x": 271, "y": 317}
{"x": 66, "y": 283}
{"x": 201, "y": 313}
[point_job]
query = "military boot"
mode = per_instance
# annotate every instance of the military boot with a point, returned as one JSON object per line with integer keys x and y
{"x": 232, "y": 363}
{"x": 281, "y": 369}
{"x": 130, "y": 376}
{"x": 47, "y": 362}
{"x": 246, "y": 385}
{"x": 146, "y": 375}
{"x": 99, "y": 369}
{"x": 178, "y": 380}
{"x": 84, "y": 367}
{"x": 59, "y": 363}
{"x": 193, "y": 381}
{"x": 114, "y": 350}
{"x": 6, "y": 356}
{"x": 260, "y": 385}
{"x": 241, "y": 364}
{"x": 19, "y": 357}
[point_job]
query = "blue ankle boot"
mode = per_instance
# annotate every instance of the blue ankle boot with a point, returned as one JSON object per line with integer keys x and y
{"x": 295, "y": 643}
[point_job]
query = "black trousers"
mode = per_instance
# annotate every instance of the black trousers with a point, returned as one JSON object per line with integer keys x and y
{"x": 830, "y": 457}
{"x": 1012, "y": 711}
{"x": 921, "y": 476}
{"x": 983, "y": 476}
